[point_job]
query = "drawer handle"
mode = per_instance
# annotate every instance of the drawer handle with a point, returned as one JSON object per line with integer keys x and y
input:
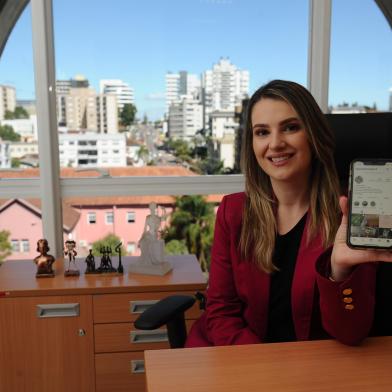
{"x": 58, "y": 310}
{"x": 137, "y": 307}
{"x": 137, "y": 366}
{"x": 154, "y": 336}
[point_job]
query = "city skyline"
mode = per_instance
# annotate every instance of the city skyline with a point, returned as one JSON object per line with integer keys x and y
{"x": 247, "y": 33}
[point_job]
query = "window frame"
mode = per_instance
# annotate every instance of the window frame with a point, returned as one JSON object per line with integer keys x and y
{"x": 50, "y": 188}
{"x": 134, "y": 217}
{"x": 107, "y": 214}
{"x": 91, "y": 214}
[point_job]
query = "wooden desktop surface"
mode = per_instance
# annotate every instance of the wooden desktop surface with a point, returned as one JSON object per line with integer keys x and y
{"x": 17, "y": 278}
{"x": 313, "y": 366}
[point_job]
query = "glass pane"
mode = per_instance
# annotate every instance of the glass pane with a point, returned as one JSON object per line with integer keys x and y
{"x": 361, "y": 58}
{"x": 18, "y": 120}
{"x": 20, "y": 219}
{"x": 89, "y": 227}
{"x": 20, "y": 228}
{"x": 163, "y": 82}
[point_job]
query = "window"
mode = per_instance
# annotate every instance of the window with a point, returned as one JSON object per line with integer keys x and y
{"x": 360, "y": 60}
{"x": 109, "y": 218}
{"x": 91, "y": 217}
{"x": 15, "y": 246}
{"x": 131, "y": 248}
{"x": 130, "y": 216}
{"x": 25, "y": 246}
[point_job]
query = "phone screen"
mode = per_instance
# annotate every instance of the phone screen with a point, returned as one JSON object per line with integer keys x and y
{"x": 370, "y": 216}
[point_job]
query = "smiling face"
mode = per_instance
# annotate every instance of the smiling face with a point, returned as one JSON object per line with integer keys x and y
{"x": 280, "y": 142}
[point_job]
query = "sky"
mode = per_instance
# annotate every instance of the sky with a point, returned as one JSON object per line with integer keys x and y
{"x": 140, "y": 41}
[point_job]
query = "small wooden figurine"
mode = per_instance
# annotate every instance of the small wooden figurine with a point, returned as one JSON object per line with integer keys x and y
{"x": 44, "y": 261}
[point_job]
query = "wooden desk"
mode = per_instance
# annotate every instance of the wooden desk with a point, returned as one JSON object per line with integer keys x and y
{"x": 88, "y": 343}
{"x": 316, "y": 366}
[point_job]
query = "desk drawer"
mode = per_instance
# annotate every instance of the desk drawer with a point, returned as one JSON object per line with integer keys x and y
{"x": 125, "y": 337}
{"x": 120, "y": 372}
{"x": 117, "y": 308}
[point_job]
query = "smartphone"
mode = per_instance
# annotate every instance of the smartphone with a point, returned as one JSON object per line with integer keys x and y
{"x": 370, "y": 204}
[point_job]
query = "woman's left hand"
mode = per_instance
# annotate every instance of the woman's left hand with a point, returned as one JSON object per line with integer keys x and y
{"x": 344, "y": 258}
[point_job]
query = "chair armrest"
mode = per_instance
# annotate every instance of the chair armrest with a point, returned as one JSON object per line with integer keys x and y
{"x": 164, "y": 311}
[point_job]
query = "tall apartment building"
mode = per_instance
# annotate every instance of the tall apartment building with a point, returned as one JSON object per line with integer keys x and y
{"x": 181, "y": 84}
{"x": 185, "y": 118}
{"x": 79, "y": 107}
{"x": 120, "y": 89}
{"x": 92, "y": 150}
{"x": 7, "y": 100}
{"x": 225, "y": 86}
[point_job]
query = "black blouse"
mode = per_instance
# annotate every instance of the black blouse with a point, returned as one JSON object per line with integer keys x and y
{"x": 280, "y": 319}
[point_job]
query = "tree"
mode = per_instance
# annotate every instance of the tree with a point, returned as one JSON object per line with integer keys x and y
{"x": 143, "y": 153}
{"x": 127, "y": 115}
{"x": 8, "y": 133}
{"x": 111, "y": 240}
{"x": 176, "y": 247}
{"x": 5, "y": 245}
{"x": 211, "y": 165}
{"x": 20, "y": 112}
{"x": 192, "y": 224}
{"x": 15, "y": 162}
{"x": 8, "y": 115}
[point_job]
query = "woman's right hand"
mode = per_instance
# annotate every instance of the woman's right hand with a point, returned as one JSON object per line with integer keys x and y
{"x": 344, "y": 258}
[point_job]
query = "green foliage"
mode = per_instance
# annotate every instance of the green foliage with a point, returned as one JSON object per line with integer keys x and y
{"x": 8, "y": 133}
{"x": 110, "y": 240}
{"x": 5, "y": 245}
{"x": 192, "y": 223}
{"x": 143, "y": 153}
{"x": 19, "y": 113}
{"x": 211, "y": 165}
{"x": 8, "y": 115}
{"x": 15, "y": 162}
{"x": 176, "y": 247}
{"x": 127, "y": 114}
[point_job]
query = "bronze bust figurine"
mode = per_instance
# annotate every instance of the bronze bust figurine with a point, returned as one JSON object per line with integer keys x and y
{"x": 44, "y": 261}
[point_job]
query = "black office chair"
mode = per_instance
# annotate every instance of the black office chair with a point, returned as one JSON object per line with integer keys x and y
{"x": 357, "y": 136}
{"x": 170, "y": 311}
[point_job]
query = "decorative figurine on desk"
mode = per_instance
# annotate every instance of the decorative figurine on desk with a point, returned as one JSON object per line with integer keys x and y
{"x": 120, "y": 268}
{"x": 44, "y": 261}
{"x": 152, "y": 259}
{"x": 90, "y": 261}
{"x": 71, "y": 253}
{"x": 106, "y": 262}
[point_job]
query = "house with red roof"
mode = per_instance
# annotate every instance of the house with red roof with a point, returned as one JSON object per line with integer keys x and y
{"x": 87, "y": 219}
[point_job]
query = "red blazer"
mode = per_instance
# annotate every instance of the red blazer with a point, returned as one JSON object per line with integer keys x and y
{"x": 238, "y": 292}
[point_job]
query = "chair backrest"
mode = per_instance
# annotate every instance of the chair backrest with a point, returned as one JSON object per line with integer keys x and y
{"x": 367, "y": 135}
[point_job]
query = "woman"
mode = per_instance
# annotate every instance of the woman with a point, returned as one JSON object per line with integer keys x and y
{"x": 263, "y": 283}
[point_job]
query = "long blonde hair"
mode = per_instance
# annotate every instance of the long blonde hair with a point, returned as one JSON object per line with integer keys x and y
{"x": 259, "y": 226}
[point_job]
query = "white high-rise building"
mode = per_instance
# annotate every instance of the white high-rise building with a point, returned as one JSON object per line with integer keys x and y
{"x": 185, "y": 118}
{"x": 179, "y": 85}
{"x": 225, "y": 86}
{"x": 120, "y": 89}
{"x": 7, "y": 100}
